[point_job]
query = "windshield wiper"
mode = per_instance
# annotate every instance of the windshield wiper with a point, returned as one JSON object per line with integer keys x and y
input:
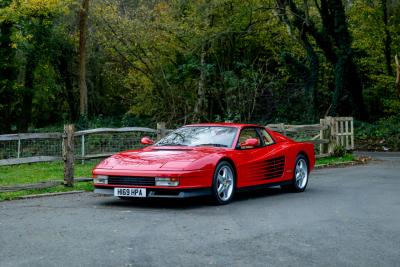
{"x": 211, "y": 144}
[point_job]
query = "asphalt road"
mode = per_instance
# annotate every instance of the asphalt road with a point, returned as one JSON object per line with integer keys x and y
{"x": 347, "y": 217}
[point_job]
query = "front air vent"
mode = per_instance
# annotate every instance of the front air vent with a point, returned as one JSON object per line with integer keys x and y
{"x": 129, "y": 180}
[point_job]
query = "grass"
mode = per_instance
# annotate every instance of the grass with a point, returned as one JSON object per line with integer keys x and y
{"x": 39, "y": 172}
{"x": 334, "y": 160}
{"x": 86, "y": 186}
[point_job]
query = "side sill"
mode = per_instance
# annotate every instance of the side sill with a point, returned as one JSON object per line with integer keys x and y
{"x": 261, "y": 186}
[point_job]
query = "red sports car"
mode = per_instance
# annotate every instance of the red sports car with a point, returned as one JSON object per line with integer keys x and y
{"x": 216, "y": 159}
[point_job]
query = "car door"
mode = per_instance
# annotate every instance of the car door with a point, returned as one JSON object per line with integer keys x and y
{"x": 258, "y": 165}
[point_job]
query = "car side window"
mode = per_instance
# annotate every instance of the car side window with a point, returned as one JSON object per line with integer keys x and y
{"x": 266, "y": 137}
{"x": 247, "y": 133}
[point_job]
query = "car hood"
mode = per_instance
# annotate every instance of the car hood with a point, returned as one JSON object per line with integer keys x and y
{"x": 159, "y": 158}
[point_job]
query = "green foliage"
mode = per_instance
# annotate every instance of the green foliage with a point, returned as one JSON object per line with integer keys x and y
{"x": 339, "y": 151}
{"x": 148, "y": 60}
{"x": 381, "y": 135}
{"x": 335, "y": 159}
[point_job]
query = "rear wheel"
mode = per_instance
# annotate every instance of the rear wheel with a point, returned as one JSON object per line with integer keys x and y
{"x": 223, "y": 186}
{"x": 300, "y": 175}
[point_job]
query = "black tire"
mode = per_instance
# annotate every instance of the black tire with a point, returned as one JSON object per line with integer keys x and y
{"x": 227, "y": 191}
{"x": 298, "y": 185}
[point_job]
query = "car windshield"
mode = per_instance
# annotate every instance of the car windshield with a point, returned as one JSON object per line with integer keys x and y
{"x": 218, "y": 136}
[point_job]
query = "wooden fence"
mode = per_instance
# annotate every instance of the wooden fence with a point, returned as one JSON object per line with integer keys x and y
{"x": 60, "y": 148}
{"x": 329, "y": 133}
{"x": 326, "y": 136}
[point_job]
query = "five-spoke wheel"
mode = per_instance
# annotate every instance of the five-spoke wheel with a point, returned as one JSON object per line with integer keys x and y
{"x": 300, "y": 176}
{"x": 224, "y": 183}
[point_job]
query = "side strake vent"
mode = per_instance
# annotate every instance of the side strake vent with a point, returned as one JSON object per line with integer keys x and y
{"x": 275, "y": 167}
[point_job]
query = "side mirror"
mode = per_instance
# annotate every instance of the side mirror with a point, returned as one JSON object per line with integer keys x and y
{"x": 146, "y": 141}
{"x": 251, "y": 142}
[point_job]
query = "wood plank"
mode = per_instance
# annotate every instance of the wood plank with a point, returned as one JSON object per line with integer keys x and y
{"x": 352, "y": 134}
{"x": 343, "y": 134}
{"x": 24, "y": 136}
{"x": 322, "y": 156}
{"x": 68, "y": 155}
{"x": 297, "y": 128}
{"x": 15, "y": 161}
{"x": 14, "y": 188}
{"x": 115, "y": 130}
{"x": 95, "y": 156}
{"x": 318, "y": 141}
{"x": 160, "y": 130}
{"x": 336, "y": 131}
{"x": 343, "y": 118}
{"x": 347, "y": 136}
{"x": 318, "y": 136}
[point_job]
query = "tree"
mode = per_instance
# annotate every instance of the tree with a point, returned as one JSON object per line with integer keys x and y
{"x": 8, "y": 73}
{"x": 334, "y": 39}
{"x": 33, "y": 44}
{"x": 83, "y": 16}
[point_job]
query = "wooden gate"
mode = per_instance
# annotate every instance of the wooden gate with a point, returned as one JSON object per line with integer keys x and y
{"x": 340, "y": 132}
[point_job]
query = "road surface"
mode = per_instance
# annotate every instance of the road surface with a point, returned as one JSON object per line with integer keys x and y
{"x": 347, "y": 217}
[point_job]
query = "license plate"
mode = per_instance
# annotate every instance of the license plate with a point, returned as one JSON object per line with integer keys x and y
{"x": 130, "y": 192}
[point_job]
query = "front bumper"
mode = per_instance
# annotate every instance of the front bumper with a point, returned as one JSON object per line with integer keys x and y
{"x": 163, "y": 193}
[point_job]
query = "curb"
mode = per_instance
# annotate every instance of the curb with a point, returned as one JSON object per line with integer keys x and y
{"x": 340, "y": 164}
{"x": 50, "y": 194}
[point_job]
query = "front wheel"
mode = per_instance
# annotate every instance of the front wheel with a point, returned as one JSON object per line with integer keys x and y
{"x": 300, "y": 175}
{"x": 223, "y": 186}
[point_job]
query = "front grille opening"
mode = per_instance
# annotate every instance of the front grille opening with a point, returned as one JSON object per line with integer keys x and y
{"x": 129, "y": 180}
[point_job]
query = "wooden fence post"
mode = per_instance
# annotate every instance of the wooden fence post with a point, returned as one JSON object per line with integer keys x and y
{"x": 332, "y": 134}
{"x": 68, "y": 154}
{"x": 83, "y": 148}
{"x": 19, "y": 148}
{"x": 161, "y": 131}
{"x": 322, "y": 136}
{"x": 282, "y": 126}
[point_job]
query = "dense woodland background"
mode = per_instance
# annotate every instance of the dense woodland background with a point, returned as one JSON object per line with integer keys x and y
{"x": 183, "y": 61}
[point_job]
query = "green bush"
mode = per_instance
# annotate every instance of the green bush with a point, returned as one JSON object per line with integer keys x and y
{"x": 339, "y": 151}
{"x": 383, "y": 134}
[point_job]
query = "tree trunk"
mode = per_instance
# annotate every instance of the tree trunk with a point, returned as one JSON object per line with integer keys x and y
{"x": 83, "y": 15}
{"x": 27, "y": 96}
{"x": 387, "y": 40}
{"x": 65, "y": 69}
{"x": 311, "y": 82}
{"x": 201, "y": 90}
{"x": 397, "y": 76}
{"x": 8, "y": 74}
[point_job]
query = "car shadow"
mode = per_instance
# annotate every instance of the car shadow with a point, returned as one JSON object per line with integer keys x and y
{"x": 189, "y": 203}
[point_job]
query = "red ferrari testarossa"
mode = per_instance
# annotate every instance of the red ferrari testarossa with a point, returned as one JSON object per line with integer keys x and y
{"x": 216, "y": 159}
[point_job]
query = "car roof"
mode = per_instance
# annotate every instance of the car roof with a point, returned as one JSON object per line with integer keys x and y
{"x": 230, "y": 124}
